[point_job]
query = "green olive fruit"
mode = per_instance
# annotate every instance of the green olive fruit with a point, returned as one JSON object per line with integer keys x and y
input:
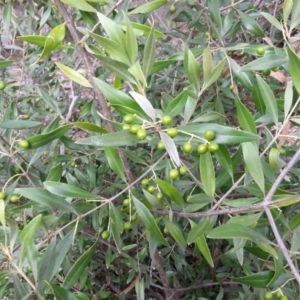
{"x": 202, "y": 148}
{"x": 26, "y": 117}
{"x": 2, "y": 85}
{"x": 268, "y": 296}
{"x": 159, "y": 196}
{"x": 128, "y": 119}
{"x": 172, "y": 9}
{"x": 2, "y": 195}
{"x": 166, "y": 120}
{"x": 174, "y": 174}
{"x": 213, "y": 147}
{"x": 207, "y": 34}
{"x": 151, "y": 189}
{"x": 266, "y": 72}
{"x": 126, "y": 127}
{"x": 127, "y": 225}
{"x": 135, "y": 128}
{"x": 105, "y": 235}
{"x": 183, "y": 170}
{"x": 141, "y": 134}
{"x": 126, "y": 202}
{"x": 14, "y": 198}
{"x": 276, "y": 69}
{"x": 172, "y": 132}
{"x": 187, "y": 147}
{"x": 260, "y": 51}
{"x": 24, "y": 144}
{"x": 283, "y": 298}
{"x": 73, "y": 164}
{"x": 209, "y": 135}
{"x": 134, "y": 217}
{"x": 161, "y": 145}
{"x": 166, "y": 231}
{"x": 145, "y": 182}
{"x": 278, "y": 295}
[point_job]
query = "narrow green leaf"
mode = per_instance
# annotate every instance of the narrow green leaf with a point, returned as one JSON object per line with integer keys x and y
{"x": 125, "y": 104}
{"x": 294, "y": 63}
{"x": 90, "y": 127}
{"x": 214, "y": 74}
{"x": 170, "y": 191}
{"x": 175, "y": 107}
{"x": 18, "y": 124}
{"x": 253, "y": 163}
{"x": 45, "y": 198}
{"x": 223, "y": 157}
{"x": 231, "y": 231}
{"x": 145, "y": 104}
{"x": 60, "y": 292}
{"x": 149, "y": 221}
{"x": 170, "y": 148}
{"x": 214, "y": 9}
{"x": 27, "y": 235}
{"x": 272, "y": 20}
{"x": 159, "y": 65}
{"x": 207, "y": 174}
{"x": 68, "y": 190}
{"x": 287, "y": 8}
{"x": 245, "y": 118}
{"x": 80, "y": 4}
{"x": 136, "y": 71}
{"x": 117, "y": 68}
{"x": 54, "y": 38}
{"x": 40, "y": 140}
{"x": 242, "y": 77}
{"x": 5, "y": 63}
{"x": 149, "y": 53}
{"x": 278, "y": 263}
{"x": 148, "y": 7}
{"x": 73, "y": 75}
{"x": 120, "y": 138}
{"x": 265, "y": 63}
{"x": 113, "y": 30}
{"x": 295, "y": 19}
{"x": 207, "y": 63}
{"x": 251, "y": 25}
{"x": 192, "y": 69}
{"x": 116, "y": 225}
{"x": 113, "y": 48}
{"x": 268, "y": 98}
{"x": 55, "y": 173}
{"x": 175, "y": 232}
{"x": 198, "y": 230}
{"x": 204, "y": 249}
{"x": 142, "y": 29}
{"x": 79, "y": 266}
{"x": 114, "y": 161}
{"x": 62, "y": 249}
{"x": 258, "y": 280}
{"x": 131, "y": 42}
{"x": 46, "y": 265}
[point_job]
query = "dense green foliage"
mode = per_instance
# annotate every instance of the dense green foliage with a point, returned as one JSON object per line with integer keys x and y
{"x": 149, "y": 151}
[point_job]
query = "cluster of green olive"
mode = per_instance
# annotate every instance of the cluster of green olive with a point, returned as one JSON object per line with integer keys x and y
{"x": 13, "y": 198}
{"x": 277, "y": 295}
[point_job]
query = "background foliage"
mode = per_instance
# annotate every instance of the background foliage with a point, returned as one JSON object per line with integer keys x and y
{"x": 92, "y": 210}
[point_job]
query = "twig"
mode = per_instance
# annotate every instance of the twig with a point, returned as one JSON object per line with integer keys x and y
{"x": 268, "y": 200}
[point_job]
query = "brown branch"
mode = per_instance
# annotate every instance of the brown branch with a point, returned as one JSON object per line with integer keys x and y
{"x": 103, "y": 104}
